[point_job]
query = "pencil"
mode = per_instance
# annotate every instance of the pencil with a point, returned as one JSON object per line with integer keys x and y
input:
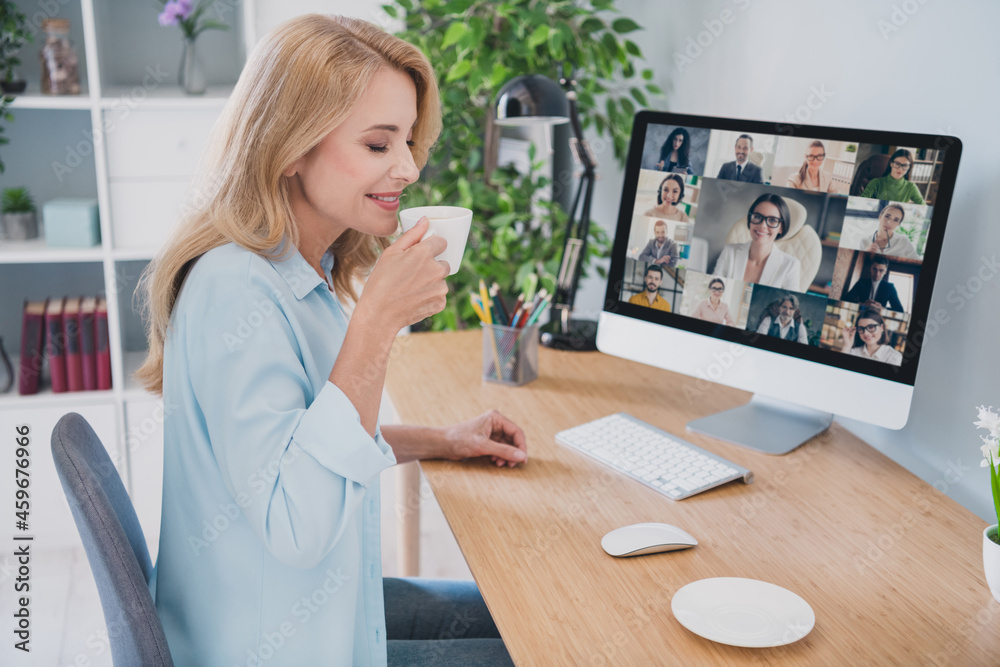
{"x": 484, "y": 295}
{"x": 538, "y": 311}
{"x": 488, "y": 329}
{"x": 476, "y": 307}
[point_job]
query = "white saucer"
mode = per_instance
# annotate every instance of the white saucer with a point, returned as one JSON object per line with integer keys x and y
{"x": 743, "y": 612}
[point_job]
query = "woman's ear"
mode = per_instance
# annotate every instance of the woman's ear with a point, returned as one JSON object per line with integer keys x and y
{"x": 292, "y": 169}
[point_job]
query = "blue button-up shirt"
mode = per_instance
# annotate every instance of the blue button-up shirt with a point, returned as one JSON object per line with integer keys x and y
{"x": 269, "y": 543}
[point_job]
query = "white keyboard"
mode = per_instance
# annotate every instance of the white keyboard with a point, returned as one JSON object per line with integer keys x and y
{"x": 675, "y": 468}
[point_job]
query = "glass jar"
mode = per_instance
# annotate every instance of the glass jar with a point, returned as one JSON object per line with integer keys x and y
{"x": 60, "y": 66}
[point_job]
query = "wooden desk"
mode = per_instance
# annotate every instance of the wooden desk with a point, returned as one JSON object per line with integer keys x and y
{"x": 892, "y": 567}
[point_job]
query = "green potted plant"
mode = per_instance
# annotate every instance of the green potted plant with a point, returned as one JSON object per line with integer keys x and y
{"x": 475, "y": 47}
{"x": 17, "y": 215}
{"x": 13, "y": 35}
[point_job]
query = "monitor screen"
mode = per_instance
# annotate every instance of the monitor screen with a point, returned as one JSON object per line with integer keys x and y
{"x": 815, "y": 246}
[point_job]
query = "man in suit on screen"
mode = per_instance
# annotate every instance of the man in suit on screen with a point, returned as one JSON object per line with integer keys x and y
{"x": 742, "y": 169}
{"x": 876, "y": 289}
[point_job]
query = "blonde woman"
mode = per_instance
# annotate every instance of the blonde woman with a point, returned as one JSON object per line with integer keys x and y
{"x": 269, "y": 547}
{"x": 811, "y": 175}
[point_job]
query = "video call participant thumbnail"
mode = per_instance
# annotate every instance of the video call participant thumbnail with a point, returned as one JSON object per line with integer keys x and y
{"x": 668, "y": 195}
{"x": 760, "y": 261}
{"x": 784, "y": 320}
{"x": 876, "y": 289}
{"x": 650, "y": 297}
{"x": 895, "y": 184}
{"x": 741, "y": 169}
{"x": 713, "y": 309}
{"x": 810, "y": 175}
{"x": 675, "y": 153}
{"x": 885, "y": 240}
{"x": 869, "y": 339}
{"x": 660, "y": 250}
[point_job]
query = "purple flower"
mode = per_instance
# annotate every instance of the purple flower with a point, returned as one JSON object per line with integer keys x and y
{"x": 174, "y": 12}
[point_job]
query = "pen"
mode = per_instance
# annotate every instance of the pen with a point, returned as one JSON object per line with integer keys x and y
{"x": 518, "y": 306}
{"x": 501, "y": 309}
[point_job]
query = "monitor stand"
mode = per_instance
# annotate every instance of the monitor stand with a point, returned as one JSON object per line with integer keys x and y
{"x": 765, "y": 425}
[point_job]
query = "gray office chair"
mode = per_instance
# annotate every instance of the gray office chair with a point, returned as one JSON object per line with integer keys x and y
{"x": 113, "y": 539}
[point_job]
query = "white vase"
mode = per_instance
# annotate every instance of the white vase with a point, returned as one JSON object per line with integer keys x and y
{"x": 991, "y": 561}
{"x": 192, "y": 73}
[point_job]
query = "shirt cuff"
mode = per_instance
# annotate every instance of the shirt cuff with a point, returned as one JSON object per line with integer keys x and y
{"x": 331, "y": 432}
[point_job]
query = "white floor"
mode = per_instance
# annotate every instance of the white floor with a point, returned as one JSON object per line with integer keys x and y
{"x": 67, "y": 624}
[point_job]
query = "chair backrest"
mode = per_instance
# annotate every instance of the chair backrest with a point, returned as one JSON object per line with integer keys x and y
{"x": 115, "y": 545}
{"x": 871, "y": 167}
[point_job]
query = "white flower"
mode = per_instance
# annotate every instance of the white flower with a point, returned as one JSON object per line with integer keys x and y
{"x": 990, "y": 450}
{"x": 989, "y": 420}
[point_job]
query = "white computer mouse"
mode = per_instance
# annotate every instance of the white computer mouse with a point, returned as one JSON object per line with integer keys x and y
{"x": 646, "y": 538}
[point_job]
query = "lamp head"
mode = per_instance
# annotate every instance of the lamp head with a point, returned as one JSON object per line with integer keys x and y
{"x": 531, "y": 99}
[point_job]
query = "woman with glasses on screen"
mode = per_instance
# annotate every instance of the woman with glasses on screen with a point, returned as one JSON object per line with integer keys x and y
{"x": 811, "y": 176}
{"x": 674, "y": 153}
{"x": 760, "y": 261}
{"x": 712, "y": 308}
{"x": 895, "y": 183}
{"x": 869, "y": 340}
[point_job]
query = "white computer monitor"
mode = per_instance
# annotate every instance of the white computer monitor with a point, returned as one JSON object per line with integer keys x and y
{"x": 747, "y": 254}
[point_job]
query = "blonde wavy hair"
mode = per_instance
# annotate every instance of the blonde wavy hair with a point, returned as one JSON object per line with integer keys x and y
{"x": 300, "y": 82}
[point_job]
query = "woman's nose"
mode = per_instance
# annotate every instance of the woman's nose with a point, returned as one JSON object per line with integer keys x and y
{"x": 406, "y": 168}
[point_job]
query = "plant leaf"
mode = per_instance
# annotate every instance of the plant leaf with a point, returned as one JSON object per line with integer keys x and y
{"x": 454, "y": 33}
{"x": 624, "y": 25}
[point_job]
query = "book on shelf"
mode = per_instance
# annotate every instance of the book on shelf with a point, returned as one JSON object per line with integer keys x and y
{"x": 103, "y": 344}
{"x": 32, "y": 341}
{"x": 55, "y": 345}
{"x": 88, "y": 346}
{"x": 71, "y": 331}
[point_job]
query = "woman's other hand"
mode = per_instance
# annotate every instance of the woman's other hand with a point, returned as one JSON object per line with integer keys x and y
{"x": 490, "y": 434}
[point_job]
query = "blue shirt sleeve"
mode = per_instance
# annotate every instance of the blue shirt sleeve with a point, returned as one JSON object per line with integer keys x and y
{"x": 289, "y": 441}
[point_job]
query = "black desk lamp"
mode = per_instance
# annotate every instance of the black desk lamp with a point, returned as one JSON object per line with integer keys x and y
{"x": 533, "y": 99}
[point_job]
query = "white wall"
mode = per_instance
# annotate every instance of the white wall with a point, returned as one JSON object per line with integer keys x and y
{"x": 932, "y": 70}
{"x": 874, "y": 66}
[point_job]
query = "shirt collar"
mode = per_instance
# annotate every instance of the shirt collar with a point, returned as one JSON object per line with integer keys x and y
{"x": 295, "y": 270}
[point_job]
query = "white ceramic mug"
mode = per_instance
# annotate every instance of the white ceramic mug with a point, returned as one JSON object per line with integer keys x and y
{"x": 450, "y": 222}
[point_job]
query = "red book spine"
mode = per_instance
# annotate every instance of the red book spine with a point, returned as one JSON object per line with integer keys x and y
{"x": 55, "y": 345}
{"x": 88, "y": 350}
{"x": 71, "y": 331}
{"x": 103, "y": 346}
{"x": 32, "y": 340}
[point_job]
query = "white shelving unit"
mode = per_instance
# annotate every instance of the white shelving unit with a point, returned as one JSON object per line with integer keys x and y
{"x": 131, "y": 141}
